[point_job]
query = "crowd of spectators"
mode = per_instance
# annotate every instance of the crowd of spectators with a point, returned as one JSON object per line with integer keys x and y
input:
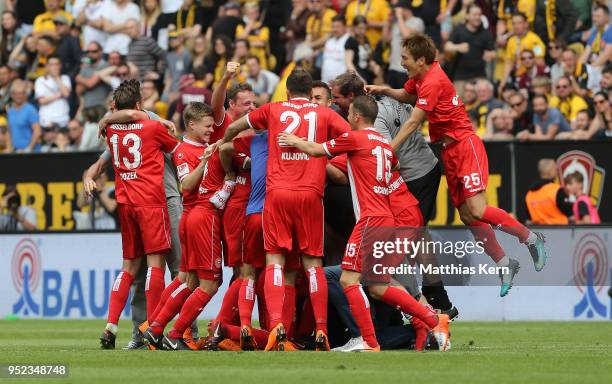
{"x": 526, "y": 70}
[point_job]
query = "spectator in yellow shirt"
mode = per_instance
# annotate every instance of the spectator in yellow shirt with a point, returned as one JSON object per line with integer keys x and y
{"x": 376, "y": 13}
{"x": 521, "y": 40}
{"x": 319, "y": 24}
{"x": 567, "y": 101}
{"x": 257, "y": 34}
{"x": 43, "y": 23}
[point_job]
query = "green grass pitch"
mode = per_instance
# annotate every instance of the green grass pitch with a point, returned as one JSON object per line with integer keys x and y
{"x": 483, "y": 352}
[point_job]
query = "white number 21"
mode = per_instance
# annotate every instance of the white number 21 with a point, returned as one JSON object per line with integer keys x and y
{"x": 294, "y": 120}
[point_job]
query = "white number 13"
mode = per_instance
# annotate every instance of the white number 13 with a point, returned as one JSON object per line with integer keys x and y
{"x": 134, "y": 150}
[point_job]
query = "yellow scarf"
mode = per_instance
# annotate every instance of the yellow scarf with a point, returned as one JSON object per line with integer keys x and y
{"x": 551, "y": 19}
{"x": 596, "y": 46}
{"x": 190, "y": 18}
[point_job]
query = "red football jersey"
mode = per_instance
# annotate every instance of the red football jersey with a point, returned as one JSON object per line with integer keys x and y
{"x": 400, "y": 196}
{"x": 288, "y": 167}
{"x": 212, "y": 181}
{"x": 187, "y": 157}
{"x": 137, "y": 158}
{"x": 445, "y": 111}
{"x": 240, "y": 196}
{"x": 369, "y": 164}
{"x": 219, "y": 130}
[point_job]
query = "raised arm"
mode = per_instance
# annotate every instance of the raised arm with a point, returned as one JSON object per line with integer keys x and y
{"x": 416, "y": 118}
{"x": 193, "y": 179}
{"x": 234, "y": 129}
{"x": 400, "y": 94}
{"x": 218, "y": 97}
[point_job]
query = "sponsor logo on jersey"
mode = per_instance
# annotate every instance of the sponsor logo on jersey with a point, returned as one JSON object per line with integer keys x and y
{"x": 422, "y": 102}
{"x": 182, "y": 169}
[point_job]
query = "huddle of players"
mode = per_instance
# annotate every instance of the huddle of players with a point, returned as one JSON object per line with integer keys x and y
{"x": 284, "y": 231}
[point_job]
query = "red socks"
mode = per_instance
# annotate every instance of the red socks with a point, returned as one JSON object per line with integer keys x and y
{"x": 118, "y": 296}
{"x": 317, "y": 284}
{"x": 173, "y": 305}
{"x": 174, "y": 284}
{"x": 289, "y": 309}
{"x": 360, "y": 308}
{"x": 246, "y": 301}
{"x": 507, "y": 223}
{"x": 261, "y": 300}
{"x": 406, "y": 303}
{"x": 484, "y": 233}
{"x": 189, "y": 312}
{"x": 274, "y": 291}
{"x": 229, "y": 306}
{"x": 233, "y": 332}
{"x": 154, "y": 287}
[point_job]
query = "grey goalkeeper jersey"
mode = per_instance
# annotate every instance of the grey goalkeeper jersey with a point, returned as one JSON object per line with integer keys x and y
{"x": 170, "y": 177}
{"x": 415, "y": 157}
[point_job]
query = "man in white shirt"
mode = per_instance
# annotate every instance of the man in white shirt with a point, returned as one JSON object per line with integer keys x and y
{"x": 88, "y": 15}
{"x": 52, "y": 91}
{"x": 262, "y": 81}
{"x": 115, "y": 14}
{"x": 334, "y": 52}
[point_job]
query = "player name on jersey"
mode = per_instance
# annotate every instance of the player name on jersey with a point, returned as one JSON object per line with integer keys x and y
{"x": 292, "y": 156}
{"x": 127, "y": 127}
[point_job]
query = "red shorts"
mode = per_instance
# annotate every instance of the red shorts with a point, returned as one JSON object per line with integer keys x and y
{"x": 254, "y": 252}
{"x": 204, "y": 242}
{"x": 466, "y": 167}
{"x": 360, "y": 255}
{"x": 233, "y": 223}
{"x": 409, "y": 217}
{"x": 293, "y": 221}
{"x": 144, "y": 230}
{"x": 183, "y": 239}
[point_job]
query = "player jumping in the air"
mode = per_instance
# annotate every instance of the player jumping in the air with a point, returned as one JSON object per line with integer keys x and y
{"x": 463, "y": 154}
{"x": 137, "y": 157}
{"x": 293, "y": 209}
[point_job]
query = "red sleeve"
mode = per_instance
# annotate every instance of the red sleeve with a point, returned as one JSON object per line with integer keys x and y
{"x": 394, "y": 161}
{"x": 258, "y": 119}
{"x": 239, "y": 160}
{"x": 167, "y": 142}
{"x": 243, "y": 144}
{"x": 337, "y": 125}
{"x": 427, "y": 97}
{"x": 340, "y": 163}
{"x": 410, "y": 86}
{"x": 182, "y": 165}
{"x": 345, "y": 143}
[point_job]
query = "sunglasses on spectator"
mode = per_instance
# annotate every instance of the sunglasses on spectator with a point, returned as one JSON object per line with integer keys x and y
{"x": 92, "y": 51}
{"x": 553, "y": 47}
{"x": 601, "y": 101}
{"x": 562, "y": 86}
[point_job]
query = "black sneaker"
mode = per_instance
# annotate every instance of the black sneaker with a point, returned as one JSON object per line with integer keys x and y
{"x": 135, "y": 344}
{"x": 171, "y": 344}
{"x": 452, "y": 313}
{"x": 151, "y": 339}
{"x": 247, "y": 342}
{"x": 107, "y": 340}
{"x": 215, "y": 337}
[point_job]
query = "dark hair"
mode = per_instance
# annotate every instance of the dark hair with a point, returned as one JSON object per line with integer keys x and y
{"x": 97, "y": 45}
{"x": 366, "y": 106}
{"x": 127, "y": 95}
{"x": 322, "y": 84}
{"x": 248, "y": 45}
{"x": 607, "y": 69}
{"x": 48, "y": 39}
{"x": 235, "y": 89}
{"x": 214, "y": 57}
{"x": 601, "y": 93}
{"x": 520, "y": 14}
{"x": 539, "y": 96}
{"x": 299, "y": 82}
{"x": 199, "y": 72}
{"x": 576, "y": 176}
{"x": 348, "y": 83}
{"x": 253, "y": 57}
{"x": 196, "y": 111}
{"x": 602, "y": 7}
{"x": 359, "y": 19}
{"x": 420, "y": 45}
{"x": 4, "y": 42}
{"x": 339, "y": 18}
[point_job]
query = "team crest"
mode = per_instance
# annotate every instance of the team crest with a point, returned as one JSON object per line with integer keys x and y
{"x": 594, "y": 176}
